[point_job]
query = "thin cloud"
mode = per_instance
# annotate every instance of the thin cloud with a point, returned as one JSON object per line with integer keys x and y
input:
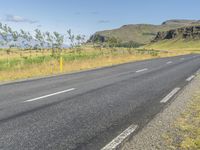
{"x": 103, "y": 21}
{"x": 94, "y": 12}
{"x": 17, "y": 19}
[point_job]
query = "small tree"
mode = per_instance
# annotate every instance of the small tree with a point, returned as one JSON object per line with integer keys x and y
{"x": 83, "y": 39}
{"x": 40, "y": 38}
{"x": 50, "y": 42}
{"x": 4, "y": 36}
{"x": 29, "y": 39}
{"x": 59, "y": 39}
{"x": 71, "y": 37}
{"x": 1, "y": 25}
{"x": 25, "y": 38}
{"x": 78, "y": 39}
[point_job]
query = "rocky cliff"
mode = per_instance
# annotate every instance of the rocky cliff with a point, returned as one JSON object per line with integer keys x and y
{"x": 190, "y": 32}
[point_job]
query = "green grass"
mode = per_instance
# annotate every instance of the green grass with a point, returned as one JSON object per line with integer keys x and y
{"x": 176, "y": 44}
{"x": 22, "y": 62}
{"x": 80, "y": 56}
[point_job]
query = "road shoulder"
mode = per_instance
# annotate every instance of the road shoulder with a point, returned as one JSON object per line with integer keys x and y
{"x": 153, "y": 135}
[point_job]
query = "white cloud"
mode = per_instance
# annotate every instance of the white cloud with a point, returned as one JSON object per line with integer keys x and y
{"x": 103, "y": 21}
{"x": 14, "y": 18}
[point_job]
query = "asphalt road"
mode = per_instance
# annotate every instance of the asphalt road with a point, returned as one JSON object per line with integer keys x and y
{"x": 86, "y": 110}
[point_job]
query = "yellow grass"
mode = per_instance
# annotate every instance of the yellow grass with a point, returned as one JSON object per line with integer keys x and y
{"x": 186, "y": 128}
{"x": 52, "y": 67}
{"x": 20, "y": 53}
{"x": 176, "y": 45}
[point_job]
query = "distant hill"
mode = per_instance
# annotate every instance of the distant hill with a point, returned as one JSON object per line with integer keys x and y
{"x": 140, "y": 33}
{"x": 187, "y": 38}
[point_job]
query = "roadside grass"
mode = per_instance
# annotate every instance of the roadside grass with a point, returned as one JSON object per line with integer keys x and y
{"x": 18, "y": 64}
{"x": 185, "y": 134}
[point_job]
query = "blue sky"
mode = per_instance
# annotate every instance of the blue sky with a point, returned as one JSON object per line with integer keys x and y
{"x": 89, "y": 16}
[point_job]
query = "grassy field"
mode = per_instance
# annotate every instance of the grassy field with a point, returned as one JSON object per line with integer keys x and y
{"x": 186, "y": 131}
{"x": 18, "y": 64}
{"x": 176, "y": 45}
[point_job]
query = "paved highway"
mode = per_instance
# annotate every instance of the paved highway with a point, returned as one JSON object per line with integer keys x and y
{"x": 89, "y": 109}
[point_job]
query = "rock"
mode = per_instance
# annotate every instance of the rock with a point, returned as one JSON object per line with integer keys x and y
{"x": 97, "y": 38}
{"x": 190, "y": 32}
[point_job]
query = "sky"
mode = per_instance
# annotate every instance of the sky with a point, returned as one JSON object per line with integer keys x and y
{"x": 88, "y": 16}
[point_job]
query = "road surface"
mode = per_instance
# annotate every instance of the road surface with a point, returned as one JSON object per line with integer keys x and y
{"x": 87, "y": 110}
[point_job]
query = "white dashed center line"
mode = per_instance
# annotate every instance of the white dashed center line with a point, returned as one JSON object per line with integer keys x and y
{"x": 145, "y": 69}
{"x": 169, "y": 62}
{"x": 49, "y": 95}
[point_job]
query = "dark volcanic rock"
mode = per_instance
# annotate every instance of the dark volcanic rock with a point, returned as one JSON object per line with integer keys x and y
{"x": 191, "y": 32}
{"x": 97, "y": 38}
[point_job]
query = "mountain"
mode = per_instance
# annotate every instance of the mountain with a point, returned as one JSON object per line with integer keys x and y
{"x": 140, "y": 33}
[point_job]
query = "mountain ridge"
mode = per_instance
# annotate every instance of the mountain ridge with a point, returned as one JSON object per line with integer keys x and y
{"x": 140, "y": 33}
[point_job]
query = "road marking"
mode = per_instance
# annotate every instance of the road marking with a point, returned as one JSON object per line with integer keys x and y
{"x": 169, "y": 62}
{"x": 198, "y": 72}
{"x": 115, "y": 143}
{"x": 182, "y": 58}
{"x": 53, "y": 94}
{"x": 145, "y": 69}
{"x": 190, "y": 78}
{"x": 170, "y": 95}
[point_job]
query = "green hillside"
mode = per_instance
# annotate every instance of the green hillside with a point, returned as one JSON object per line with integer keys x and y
{"x": 175, "y": 44}
{"x": 141, "y": 33}
{"x": 185, "y": 38}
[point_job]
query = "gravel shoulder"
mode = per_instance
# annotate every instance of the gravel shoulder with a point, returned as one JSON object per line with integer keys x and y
{"x": 152, "y": 136}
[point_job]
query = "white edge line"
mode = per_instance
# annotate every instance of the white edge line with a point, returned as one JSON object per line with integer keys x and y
{"x": 170, "y": 95}
{"x": 145, "y": 69}
{"x": 190, "y": 78}
{"x": 115, "y": 143}
{"x": 198, "y": 71}
{"x": 169, "y": 62}
{"x": 45, "y": 96}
